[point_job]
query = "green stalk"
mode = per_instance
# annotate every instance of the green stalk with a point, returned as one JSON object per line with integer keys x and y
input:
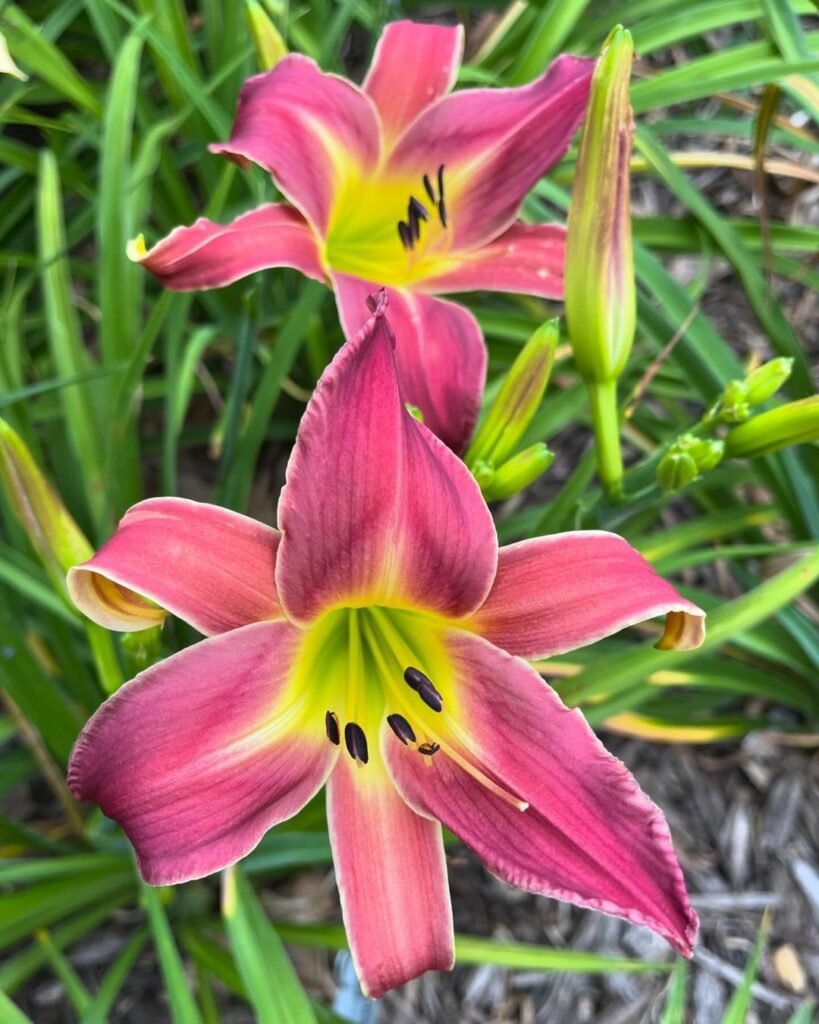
{"x": 606, "y": 423}
{"x": 105, "y": 658}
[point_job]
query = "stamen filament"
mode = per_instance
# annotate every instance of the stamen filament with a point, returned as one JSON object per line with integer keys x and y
{"x": 435, "y": 738}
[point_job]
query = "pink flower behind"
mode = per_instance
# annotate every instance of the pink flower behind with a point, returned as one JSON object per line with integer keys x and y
{"x": 401, "y": 184}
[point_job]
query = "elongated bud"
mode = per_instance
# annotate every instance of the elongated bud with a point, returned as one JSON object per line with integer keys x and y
{"x": 519, "y": 472}
{"x": 794, "y": 423}
{"x": 517, "y": 400}
{"x": 600, "y": 290}
{"x": 687, "y": 459}
{"x": 55, "y": 536}
{"x": 766, "y": 380}
{"x": 270, "y": 47}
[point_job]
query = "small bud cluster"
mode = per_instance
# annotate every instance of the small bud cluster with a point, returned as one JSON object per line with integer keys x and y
{"x": 499, "y": 471}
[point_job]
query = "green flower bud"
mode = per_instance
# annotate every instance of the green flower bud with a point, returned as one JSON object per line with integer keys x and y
{"x": 484, "y": 474}
{"x": 517, "y": 400}
{"x": 676, "y": 469}
{"x": 766, "y": 380}
{"x": 706, "y": 453}
{"x": 600, "y": 289}
{"x": 270, "y": 47}
{"x": 687, "y": 458}
{"x": 794, "y": 423}
{"x": 733, "y": 406}
{"x": 54, "y": 535}
{"x": 520, "y": 471}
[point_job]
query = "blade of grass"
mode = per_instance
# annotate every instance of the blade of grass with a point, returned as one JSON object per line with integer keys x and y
{"x": 78, "y": 994}
{"x": 183, "y": 1005}
{"x": 11, "y": 1013}
{"x": 674, "y": 1009}
{"x": 290, "y": 338}
{"x": 268, "y": 976}
{"x": 741, "y": 1001}
{"x": 68, "y": 352}
{"x": 110, "y": 986}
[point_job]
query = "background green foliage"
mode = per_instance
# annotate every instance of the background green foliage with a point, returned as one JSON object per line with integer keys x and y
{"x": 121, "y": 391}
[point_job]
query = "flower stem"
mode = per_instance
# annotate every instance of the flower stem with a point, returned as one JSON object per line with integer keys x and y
{"x": 606, "y": 423}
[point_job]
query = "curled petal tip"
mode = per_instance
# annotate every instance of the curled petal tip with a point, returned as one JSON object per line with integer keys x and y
{"x": 684, "y": 631}
{"x": 377, "y": 302}
{"x": 137, "y": 250}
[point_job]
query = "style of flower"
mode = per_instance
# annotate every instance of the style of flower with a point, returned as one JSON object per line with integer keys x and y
{"x": 396, "y": 184}
{"x": 375, "y": 642}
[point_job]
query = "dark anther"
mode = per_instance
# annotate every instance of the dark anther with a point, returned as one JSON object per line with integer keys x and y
{"x": 442, "y": 212}
{"x": 423, "y": 686}
{"x": 402, "y": 729}
{"x": 441, "y": 183}
{"x": 416, "y": 212}
{"x": 428, "y": 749}
{"x": 429, "y": 188}
{"x": 419, "y": 208}
{"x": 405, "y": 234}
{"x": 331, "y": 725}
{"x": 356, "y": 742}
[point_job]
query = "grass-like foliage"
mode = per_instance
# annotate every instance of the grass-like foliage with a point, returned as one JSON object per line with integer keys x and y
{"x": 119, "y": 390}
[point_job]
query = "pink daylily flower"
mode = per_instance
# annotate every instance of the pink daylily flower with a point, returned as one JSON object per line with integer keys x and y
{"x": 377, "y": 642}
{"x": 400, "y": 184}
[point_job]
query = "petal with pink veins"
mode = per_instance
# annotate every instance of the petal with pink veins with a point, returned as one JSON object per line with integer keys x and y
{"x": 212, "y": 567}
{"x": 210, "y": 255}
{"x": 197, "y": 757}
{"x": 376, "y": 510}
{"x": 392, "y": 879}
{"x": 312, "y": 131}
{"x": 589, "y": 834}
{"x": 558, "y": 593}
{"x": 413, "y": 65}
{"x": 494, "y": 145}
{"x": 526, "y": 258}
{"x": 440, "y": 353}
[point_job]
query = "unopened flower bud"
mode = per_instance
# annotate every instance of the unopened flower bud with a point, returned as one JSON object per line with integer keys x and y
{"x": 270, "y": 47}
{"x": 766, "y": 380}
{"x": 705, "y": 452}
{"x": 519, "y": 472}
{"x": 517, "y": 400}
{"x": 484, "y": 474}
{"x": 600, "y": 289}
{"x": 794, "y": 423}
{"x": 675, "y": 471}
{"x": 687, "y": 458}
{"x": 733, "y": 405}
{"x": 54, "y": 535}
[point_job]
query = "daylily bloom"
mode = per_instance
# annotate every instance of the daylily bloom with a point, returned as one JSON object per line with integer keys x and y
{"x": 376, "y": 642}
{"x": 400, "y": 184}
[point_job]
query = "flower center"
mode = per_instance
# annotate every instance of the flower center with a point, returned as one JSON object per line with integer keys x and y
{"x": 390, "y": 231}
{"x": 365, "y": 668}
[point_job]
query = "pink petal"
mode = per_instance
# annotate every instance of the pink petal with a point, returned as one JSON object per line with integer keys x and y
{"x": 494, "y": 145}
{"x": 439, "y": 350}
{"x": 526, "y": 258}
{"x": 392, "y": 879}
{"x": 554, "y": 594}
{"x": 376, "y": 510}
{"x": 312, "y": 131}
{"x": 413, "y": 65}
{"x": 199, "y": 756}
{"x": 210, "y": 255}
{"x": 212, "y": 567}
{"x": 589, "y": 835}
